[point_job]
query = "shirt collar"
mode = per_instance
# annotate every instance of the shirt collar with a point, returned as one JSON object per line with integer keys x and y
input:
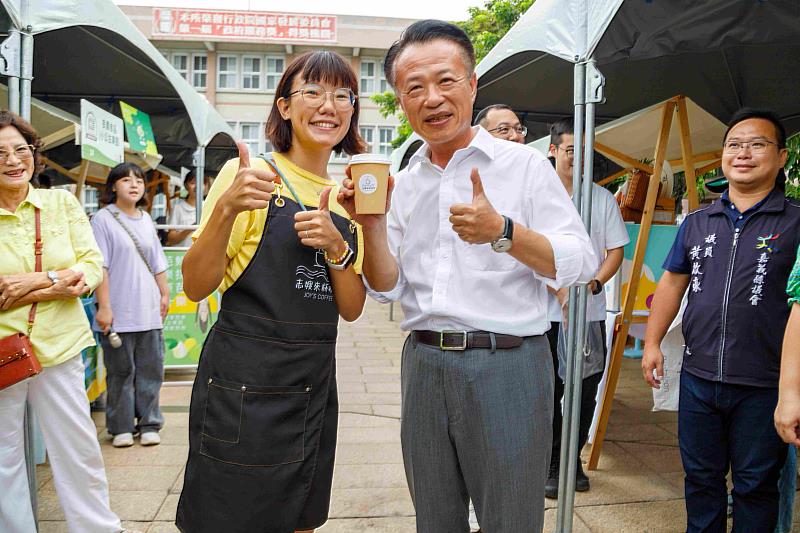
{"x": 34, "y": 198}
{"x": 482, "y": 141}
{"x": 773, "y": 202}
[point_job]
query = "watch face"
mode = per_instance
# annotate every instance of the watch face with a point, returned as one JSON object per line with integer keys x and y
{"x": 501, "y": 245}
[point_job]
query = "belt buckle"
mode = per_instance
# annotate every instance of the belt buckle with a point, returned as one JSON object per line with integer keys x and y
{"x": 459, "y": 348}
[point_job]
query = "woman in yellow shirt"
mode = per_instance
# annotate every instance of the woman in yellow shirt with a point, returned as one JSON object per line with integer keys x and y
{"x": 264, "y": 409}
{"x": 72, "y": 266}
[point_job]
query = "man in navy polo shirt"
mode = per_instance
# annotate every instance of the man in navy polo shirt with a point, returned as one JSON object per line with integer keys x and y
{"x": 734, "y": 258}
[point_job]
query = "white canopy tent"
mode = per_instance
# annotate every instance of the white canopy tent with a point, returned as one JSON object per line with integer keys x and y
{"x": 90, "y": 49}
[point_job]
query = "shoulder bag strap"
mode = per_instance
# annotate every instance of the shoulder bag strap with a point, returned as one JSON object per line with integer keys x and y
{"x": 133, "y": 238}
{"x": 37, "y": 250}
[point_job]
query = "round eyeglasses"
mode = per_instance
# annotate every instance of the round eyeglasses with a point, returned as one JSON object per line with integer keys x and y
{"x": 21, "y": 152}
{"x": 505, "y": 130}
{"x": 314, "y": 96}
{"x": 757, "y": 147}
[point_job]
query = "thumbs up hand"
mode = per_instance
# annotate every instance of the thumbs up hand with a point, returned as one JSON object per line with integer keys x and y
{"x": 315, "y": 228}
{"x": 478, "y": 222}
{"x": 251, "y": 188}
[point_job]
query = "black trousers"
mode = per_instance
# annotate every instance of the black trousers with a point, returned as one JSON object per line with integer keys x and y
{"x": 588, "y": 394}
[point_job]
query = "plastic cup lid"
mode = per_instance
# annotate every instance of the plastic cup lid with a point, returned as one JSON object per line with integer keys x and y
{"x": 370, "y": 158}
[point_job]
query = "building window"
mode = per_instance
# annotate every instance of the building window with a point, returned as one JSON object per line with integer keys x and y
{"x": 159, "y": 207}
{"x": 385, "y": 136}
{"x": 251, "y": 73}
{"x": 181, "y": 63}
{"x": 367, "y": 81}
{"x": 91, "y": 200}
{"x": 383, "y": 84}
{"x": 275, "y": 66}
{"x": 367, "y": 134}
{"x": 251, "y": 136}
{"x": 226, "y": 72}
{"x": 199, "y": 71}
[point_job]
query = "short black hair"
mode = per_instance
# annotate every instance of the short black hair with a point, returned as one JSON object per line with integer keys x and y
{"x": 425, "y": 31}
{"x": 565, "y": 126}
{"x": 190, "y": 177}
{"x": 120, "y": 171}
{"x": 747, "y": 113}
{"x": 484, "y": 113}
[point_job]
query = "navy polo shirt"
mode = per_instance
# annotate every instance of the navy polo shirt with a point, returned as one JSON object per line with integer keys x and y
{"x": 678, "y": 259}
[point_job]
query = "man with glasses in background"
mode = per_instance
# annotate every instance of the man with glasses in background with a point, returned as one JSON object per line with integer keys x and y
{"x": 609, "y": 236}
{"x": 734, "y": 258}
{"x": 501, "y": 121}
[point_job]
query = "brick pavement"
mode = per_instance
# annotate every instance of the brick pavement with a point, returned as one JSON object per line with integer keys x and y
{"x": 637, "y": 489}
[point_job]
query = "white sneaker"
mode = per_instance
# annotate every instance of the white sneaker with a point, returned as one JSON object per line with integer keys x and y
{"x": 151, "y": 438}
{"x": 123, "y": 440}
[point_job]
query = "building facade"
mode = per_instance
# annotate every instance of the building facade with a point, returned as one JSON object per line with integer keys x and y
{"x": 236, "y": 58}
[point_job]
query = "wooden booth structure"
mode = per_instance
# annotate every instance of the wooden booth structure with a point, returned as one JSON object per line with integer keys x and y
{"x": 686, "y": 137}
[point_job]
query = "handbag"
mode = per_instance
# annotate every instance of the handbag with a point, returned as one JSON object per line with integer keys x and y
{"x": 18, "y": 361}
{"x": 592, "y": 350}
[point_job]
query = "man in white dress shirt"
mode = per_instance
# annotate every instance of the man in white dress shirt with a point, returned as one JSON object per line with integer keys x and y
{"x": 478, "y": 227}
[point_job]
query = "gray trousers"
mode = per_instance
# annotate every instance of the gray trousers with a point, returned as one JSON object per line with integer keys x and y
{"x": 135, "y": 373}
{"x": 477, "y": 424}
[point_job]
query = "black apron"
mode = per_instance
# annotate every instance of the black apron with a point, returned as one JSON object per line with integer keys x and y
{"x": 264, "y": 408}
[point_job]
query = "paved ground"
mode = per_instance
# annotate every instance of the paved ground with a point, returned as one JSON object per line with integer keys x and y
{"x": 637, "y": 489}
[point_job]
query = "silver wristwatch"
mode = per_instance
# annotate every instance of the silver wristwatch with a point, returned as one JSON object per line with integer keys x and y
{"x": 52, "y": 275}
{"x": 503, "y": 243}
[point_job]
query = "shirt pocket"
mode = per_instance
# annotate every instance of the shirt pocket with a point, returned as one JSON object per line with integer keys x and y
{"x": 482, "y": 257}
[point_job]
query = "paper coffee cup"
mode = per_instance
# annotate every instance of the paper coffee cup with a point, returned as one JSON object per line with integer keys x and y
{"x": 370, "y": 174}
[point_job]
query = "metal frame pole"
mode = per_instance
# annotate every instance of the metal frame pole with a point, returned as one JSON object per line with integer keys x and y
{"x": 591, "y": 87}
{"x": 11, "y": 67}
{"x": 200, "y": 174}
{"x": 566, "y": 482}
{"x": 22, "y": 102}
{"x": 27, "y": 74}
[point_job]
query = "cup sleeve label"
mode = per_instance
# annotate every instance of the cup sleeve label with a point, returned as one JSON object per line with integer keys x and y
{"x": 368, "y": 184}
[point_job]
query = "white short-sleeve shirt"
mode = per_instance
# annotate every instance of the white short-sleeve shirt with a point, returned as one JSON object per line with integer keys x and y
{"x": 608, "y": 232}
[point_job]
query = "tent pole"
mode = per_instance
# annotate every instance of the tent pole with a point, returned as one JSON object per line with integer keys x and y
{"x": 22, "y": 101}
{"x": 594, "y": 82}
{"x": 11, "y": 55}
{"x": 27, "y": 73}
{"x": 566, "y": 483}
{"x": 199, "y": 179}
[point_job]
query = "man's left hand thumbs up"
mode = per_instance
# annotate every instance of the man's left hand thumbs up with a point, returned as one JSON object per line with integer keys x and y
{"x": 478, "y": 222}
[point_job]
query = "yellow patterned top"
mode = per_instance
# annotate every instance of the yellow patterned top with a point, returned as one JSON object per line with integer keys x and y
{"x": 61, "y": 329}
{"x": 249, "y": 225}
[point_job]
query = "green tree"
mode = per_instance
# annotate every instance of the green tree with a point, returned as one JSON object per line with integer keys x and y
{"x": 486, "y": 26}
{"x": 793, "y": 167}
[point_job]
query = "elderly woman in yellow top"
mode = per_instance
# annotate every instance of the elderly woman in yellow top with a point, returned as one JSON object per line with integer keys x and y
{"x": 71, "y": 264}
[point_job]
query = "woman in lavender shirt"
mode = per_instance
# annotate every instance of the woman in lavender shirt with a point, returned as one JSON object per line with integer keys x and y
{"x": 132, "y": 301}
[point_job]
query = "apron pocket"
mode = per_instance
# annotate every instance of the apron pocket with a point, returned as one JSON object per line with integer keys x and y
{"x": 254, "y": 425}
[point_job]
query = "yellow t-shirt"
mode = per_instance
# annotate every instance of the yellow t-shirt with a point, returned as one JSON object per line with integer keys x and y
{"x": 61, "y": 329}
{"x": 249, "y": 225}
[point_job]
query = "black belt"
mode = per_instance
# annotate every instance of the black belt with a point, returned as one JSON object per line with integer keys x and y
{"x": 464, "y": 340}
